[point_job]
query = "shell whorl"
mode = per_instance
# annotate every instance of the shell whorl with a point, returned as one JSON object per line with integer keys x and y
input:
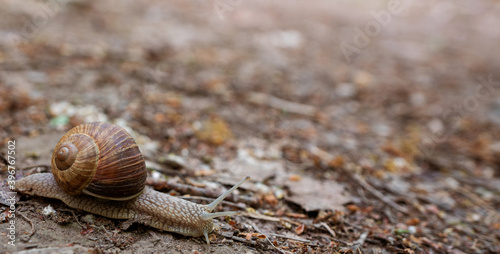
{"x": 65, "y": 155}
{"x": 99, "y": 159}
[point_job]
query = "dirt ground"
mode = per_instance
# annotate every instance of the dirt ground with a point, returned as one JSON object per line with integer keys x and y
{"x": 365, "y": 127}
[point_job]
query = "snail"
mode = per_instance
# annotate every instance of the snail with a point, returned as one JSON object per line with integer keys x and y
{"x": 98, "y": 168}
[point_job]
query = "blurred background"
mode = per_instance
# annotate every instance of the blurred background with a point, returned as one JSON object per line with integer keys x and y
{"x": 406, "y": 94}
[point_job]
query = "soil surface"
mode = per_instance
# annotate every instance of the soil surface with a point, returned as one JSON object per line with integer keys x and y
{"x": 365, "y": 127}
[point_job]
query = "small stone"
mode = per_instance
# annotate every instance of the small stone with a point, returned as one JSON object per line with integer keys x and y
{"x": 89, "y": 219}
{"x": 345, "y": 90}
{"x": 48, "y": 211}
{"x": 412, "y": 229}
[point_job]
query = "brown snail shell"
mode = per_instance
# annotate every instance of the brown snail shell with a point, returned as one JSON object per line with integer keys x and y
{"x": 99, "y": 159}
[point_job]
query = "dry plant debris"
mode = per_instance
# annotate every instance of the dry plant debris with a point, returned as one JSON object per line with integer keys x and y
{"x": 393, "y": 147}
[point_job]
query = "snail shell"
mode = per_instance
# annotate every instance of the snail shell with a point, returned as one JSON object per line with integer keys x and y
{"x": 101, "y": 160}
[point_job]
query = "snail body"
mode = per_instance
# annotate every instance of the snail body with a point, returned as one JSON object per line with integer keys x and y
{"x": 150, "y": 207}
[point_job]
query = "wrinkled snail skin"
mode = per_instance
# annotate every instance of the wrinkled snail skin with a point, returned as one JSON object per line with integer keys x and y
{"x": 152, "y": 208}
{"x": 156, "y": 209}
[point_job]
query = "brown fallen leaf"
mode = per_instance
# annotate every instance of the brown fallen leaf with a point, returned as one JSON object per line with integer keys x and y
{"x": 413, "y": 221}
{"x": 295, "y": 177}
{"x": 337, "y": 162}
{"x": 248, "y": 236}
{"x": 353, "y": 208}
{"x": 87, "y": 230}
{"x": 261, "y": 236}
{"x": 300, "y": 229}
{"x": 313, "y": 194}
{"x": 271, "y": 199}
{"x": 296, "y": 215}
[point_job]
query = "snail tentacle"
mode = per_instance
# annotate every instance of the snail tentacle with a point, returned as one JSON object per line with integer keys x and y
{"x": 211, "y": 206}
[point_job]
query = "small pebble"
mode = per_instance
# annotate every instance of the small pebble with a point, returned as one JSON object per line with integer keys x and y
{"x": 48, "y": 210}
{"x": 89, "y": 219}
{"x": 412, "y": 229}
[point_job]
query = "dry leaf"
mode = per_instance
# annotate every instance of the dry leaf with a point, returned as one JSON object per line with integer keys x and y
{"x": 413, "y": 221}
{"x": 294, "y": 177}
{"x": 271, "y": 199}
{"x": 300, "y": 229}
{"x": 313, "y": 194}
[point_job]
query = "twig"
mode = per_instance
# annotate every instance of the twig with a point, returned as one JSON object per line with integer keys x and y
{"x": 243, "y": 240}
{"x": 361, "y": 239}
{"x": 409, "y": 197}
{"x": 255, "y": 227}
{"x": 74, "y": 215}
{"x": 106, "y": 232}
{"x": 376, "y": 193}
{"x": 326, "y": 157}
{"x": 330, "y": 230}
{"x": 342, "y": 242}
{"x": 289, "y": 237}
{"x": 267, "y": 238}
{"x": 31, "y": 223}
{"x": 261, "y": 216}
{"x": 268, "y": 218}
{"x": 291, "y": 222}
{"x": 474, "y": 198}
{"x": 277, "y": 103}
{"x": 176, "y": 162}
{"x": 389, "y": 215}
{"x": 481, "y": 182}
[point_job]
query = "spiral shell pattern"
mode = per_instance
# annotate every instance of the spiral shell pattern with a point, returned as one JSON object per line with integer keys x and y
{"x": 99, "y": 159}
